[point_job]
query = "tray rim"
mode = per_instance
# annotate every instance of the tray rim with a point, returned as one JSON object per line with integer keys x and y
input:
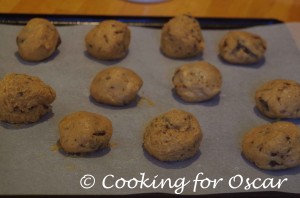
{"x": 142, "y": 21}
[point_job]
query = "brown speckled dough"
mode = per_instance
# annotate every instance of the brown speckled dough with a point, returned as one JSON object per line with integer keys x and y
{"x": 279, "y": 99}
{"x": 109, "y": 40}
{"x": 173, "y": 136}
{"x": 84, "y": 132}
{"x": 197, "y": 81}
{"x": 181, "y": 37}
{"x": 115, "y": 86}
{"x": 239, "y": 47}
{"x": 24, "y": 98}
{"x": 37, "y": 40}
{"x": 273, "y": 146}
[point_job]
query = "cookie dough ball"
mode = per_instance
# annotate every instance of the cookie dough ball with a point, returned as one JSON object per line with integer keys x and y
{"x": 173, "y": 136}
{"x": 116, "y": 86}
{"x": 24, "y": 98}
{"x": 273, "y": 146}
{"x": 198, "y": 81}
{"x": 279, "y": 99}
{"x": 109, "y": 40}
{"x": 84, "y": 132}
{"x": 181, "y": 37}
{"x": 38, "y": 40}
{"x": 239, "y": 47}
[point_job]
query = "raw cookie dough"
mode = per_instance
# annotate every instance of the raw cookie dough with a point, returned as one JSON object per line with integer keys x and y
{"x": 38, "y": 40}
{"x": 173, "y": 136}
{"x": 109, "y": 40}
{"x": 273, "y": 146}
{"x": 84, "y": 132}
{"x": 197, "y": 81}
{"x": 181, "y": 37}
{"x": 239, "y": 47}
{"x": 115, "y": 86}
{"x": 24, "y": 98}
{"x": 279, "y": 99}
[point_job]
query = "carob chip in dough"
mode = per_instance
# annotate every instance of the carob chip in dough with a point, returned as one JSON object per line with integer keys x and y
{"x": 273, "y": 146}
{"x": 197, "y": 81}
{"x": 181, "y": 37}
{"x": 279, "y": 99}
{"x": 109, "y": 40}
{"x": 84, "y": 132}
{"x": 173, "y": 136}
{"x": 239, "y": 47}
{"x": 116, "y": 86}
{"x": 38, "y": 40}
{"x": 24, "y": 98}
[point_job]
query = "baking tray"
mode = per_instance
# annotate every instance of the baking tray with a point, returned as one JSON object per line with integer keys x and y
{"x": 153, "y": 22}
{"x": 17, "y": 142}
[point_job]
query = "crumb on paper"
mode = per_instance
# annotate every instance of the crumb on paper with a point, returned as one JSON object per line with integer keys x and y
{"x": 113, "y": 144}
{"x": 54, "y": 147}
{"x": 144, "y": 100}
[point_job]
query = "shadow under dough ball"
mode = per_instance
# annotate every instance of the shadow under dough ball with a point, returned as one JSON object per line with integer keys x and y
{"x": 84, "y": 132}
{"x": 38, "y": 40}
{"x": 181, "y": 37}
{"x": 240, "y": 47}
{"x": 273, "y": 146}
{"x": 279, "y": 99}
{"x": 173, "y": 136}
{"x": 116, "y": 86}
{"x": 197, "y": 81}
{"x": 24, "y": 98}
{"x": 109, "y": 40}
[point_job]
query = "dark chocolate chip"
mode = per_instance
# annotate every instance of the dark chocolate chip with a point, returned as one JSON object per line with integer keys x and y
{"x": 32, "y": 107}
{"x": 278, "y": 99}
{"x": 273, "y": 163}
{"x": 16, "y": 108}
{"x": 225, "y": 44}
{"x": 105, "y": 38}
{"x": 274, "y": 154}
{"x": 119, "y": 32}
{"x": 20, "y": 93}
{"x": 241, "y": 47}
{"x": 264, "y": 103}
{"x": 45, "y": 106}
{"x": 99, "y": 133}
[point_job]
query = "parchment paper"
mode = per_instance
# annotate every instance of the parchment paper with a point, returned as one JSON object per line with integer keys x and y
{"x": 30, "y": 163}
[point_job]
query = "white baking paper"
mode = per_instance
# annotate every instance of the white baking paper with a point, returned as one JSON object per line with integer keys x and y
{"x": 30, "y": 163}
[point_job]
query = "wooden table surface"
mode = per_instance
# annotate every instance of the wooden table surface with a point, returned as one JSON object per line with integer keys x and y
{"x": 284, "y": 10}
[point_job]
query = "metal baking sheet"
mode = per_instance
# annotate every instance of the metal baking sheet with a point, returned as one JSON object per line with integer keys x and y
{"x": 31, "y": 163}
{"x": 144, "y": 21}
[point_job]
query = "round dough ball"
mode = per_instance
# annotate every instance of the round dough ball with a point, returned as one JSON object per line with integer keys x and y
{"x": 239, "y": 47}
{"x": 109, "y": 40}
{"x": 116, "y": 86}
{"x": 173, "y": 136}
{"x": 38, "y": 40}
{"x": 197, "y": 81}
{"x": 279, "y": 99}
{"x": 24, "y": 98}
{"x": 273, "y": 146}
{"x": 84, "y": 132}
{"x": 181, "y": 37}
